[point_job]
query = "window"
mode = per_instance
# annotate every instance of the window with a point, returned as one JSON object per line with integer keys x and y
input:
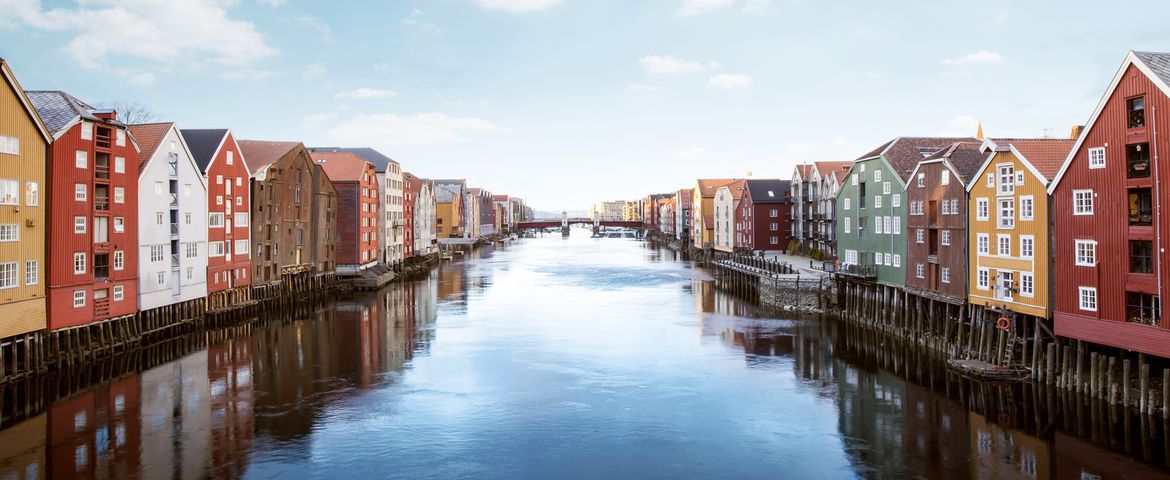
{"x": 1082, "y": 202}
{"x": 877, "y": 175}
{"x": 241, "y": 247}
{"x": 119, "y": 165}
{"x": 846, "y": 203}
{"x": 79, "y": 224}
{"x": 215, "y": 249}
{"x": 191, "y": 272}
{"x": 1027, "y": 284}
{"x": 946, "y": 207}
{"x": 896, "y": 229}
{"x": 9, "y": 192}
{"x": 8, "y": 275}
{"x": 981, "y": 209}
{"x": 191, "y": 250}
{"x": 1141, "y": 208}
{"x": 80, "y": 192}
{"x": 853, "y": 179}
{"x": 954, "y": 206}
{"x": 119, "y": 260}
{"x": 1007, "y": 179}
{"x": 878, "y": 225}
{"x": 120, "y": 137}
{"x": 9, "y": 232}
{"x": 920, "y": 236}
{"x": 187, "y": 218}
{"x": 773, "y": 213}
{"x": 230, "y": 157}
{"x": 846, "y": 223}
{"x": 991, "y": 180}
{"x": 1142, "y": 308}
{"x": 9, "y": 145}
{"x": 186, "y": 189}
{"x": 1086, "y": 252}
{"x": 1027, "y": 207}
{"x": 159, "y": 218}
{"x": 1137, "y": 160}
{"x": 119, "y": 293}
{"x": 156, "y": 253}
{"x": 877, "y": 201}
{"x": 921, "y": 180}
{"x": 215, "y": 220}
{"x": 1088, "y": 297}
{"x": 896, "y": 200}
{"x": 1019, "y": 179}
{"x": 1006, "y": 284}
{"x": 80, "y": 159}
{"x": 1004, "y": 245}
{"x": 897, "y": 261}
{"x": 946, "y": 177}
{"x": 920, "y": 270}
{"x": 239, "y": 200}
{"x": 119, "y": 224}
{"x": 78, "y": 298}
{"x": 119, "y": 195}
{"x": 983, "y": 278}
{"x": 1027, "y": 246}
{"x": 86, "y": 131}
{"x": 241, "y": 219}
{"x": 946, "y": 275}
{"x": 946, "y": 237}
{"x": 886, "y": 188}
{"x": 79, "y": 263}
{"x": 219, "y": 179}
{"x": 32, "y": 194}
{"x": 1097, "y": 157}
{"x": 1141, "y": 256}
{"x": 774, "y": 240}
{"x": 1136, "y": 112}
{"x": 1007, "y": 213}
{"x": 775, "y": 227}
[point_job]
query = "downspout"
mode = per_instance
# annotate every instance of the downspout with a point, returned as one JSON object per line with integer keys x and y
{"x": 1157, "y": 210}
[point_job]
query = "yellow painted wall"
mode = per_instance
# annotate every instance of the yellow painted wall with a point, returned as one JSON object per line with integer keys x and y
{"x": 700, "y": 231}
{"x": 22, "y": 309}
{"x": 451, "y": 223}
{"x": 1037, "y": 265}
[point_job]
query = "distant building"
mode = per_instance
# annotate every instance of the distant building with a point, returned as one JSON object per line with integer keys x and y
{"x": 703, "y": 210}
{"x": 764, "y": 217}
{"x": 682, "y": 214}
{"x": 448, "y": 211}
{"x": 391, "y": 221}
{"x": 358, "y": 201}
{"x": 727, "y": 214}
{"x": 282, "y": 208}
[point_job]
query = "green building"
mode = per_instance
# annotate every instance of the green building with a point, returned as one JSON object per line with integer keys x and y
{"x": 871, "y": 208}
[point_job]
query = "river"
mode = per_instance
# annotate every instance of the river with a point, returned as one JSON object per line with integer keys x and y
{"x": 545, "y": 358}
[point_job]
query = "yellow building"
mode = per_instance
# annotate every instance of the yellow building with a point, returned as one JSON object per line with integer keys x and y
{"x": 448, "y": 213}
{"x": 24, "y": 143}
{"x": 703, "y": 210}
{"x": 1008, "y": 224}
{"x": 632, "y": 211}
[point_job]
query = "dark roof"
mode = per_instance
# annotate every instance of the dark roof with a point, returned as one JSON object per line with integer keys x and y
{"x": 203, "y": 144}
{"x": 964, "y": 156}
{"x": 57, "y": 109}
{"x": 261, "y": 153}
{"x": 904, "y": 153}
{"x": 148, "y": 136}
{"x": 1158, "y": 62}
{"x": 768, "y": 190}
{"x": 366, "y": 153}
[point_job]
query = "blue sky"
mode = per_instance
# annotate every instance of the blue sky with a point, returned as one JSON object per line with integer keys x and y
{"x": 568, "y": 102}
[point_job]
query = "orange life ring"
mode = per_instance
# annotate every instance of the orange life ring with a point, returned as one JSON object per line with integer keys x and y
{"x": 1003, "y": 323}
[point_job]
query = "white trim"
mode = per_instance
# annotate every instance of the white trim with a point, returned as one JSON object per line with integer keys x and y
{"x": 1081, "y": 299}
{"x": 28, "y": 107}
{"x": 1077, "y": 256}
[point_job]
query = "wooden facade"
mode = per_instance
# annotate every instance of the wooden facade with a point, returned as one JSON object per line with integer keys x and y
{"x": 1008, "y": 229}
{"x": 728, "y": 216}
{"x": 93, "y": 212}
{"x": 766, "y": 211}
{"x": 358, "y": 203}
{"x": 410, "y": 187}
{"x": 229, "y": 258}
{"x": 936, "y": 225}
{"x": 24, "y": 147}
{"x": 1109, "y": 280}
{"x": 703, "y": 211}
{"x": 324, "y": 222}
{"x": 282, "y": 213}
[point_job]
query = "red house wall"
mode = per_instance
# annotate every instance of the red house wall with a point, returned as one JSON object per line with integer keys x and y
{"x": 63, "y": 242}
{"x": 1109, "y": 226}
{"x": 757, "y": 227}
{"x": 349, "y": 219}
{"x": 409, "y": 191}
{"x": 223, "y": 273}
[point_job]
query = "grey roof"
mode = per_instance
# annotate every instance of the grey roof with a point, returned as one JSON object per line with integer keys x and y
{"x": 444, "y": 194}
{"x": 203, "y": 143}
{"x": 965, "y": 156}
{"x": 904, "y": 153}
{"x": 1158, "y": 62}
{"x": 368, "y": 154}
{"x": 58, "y": 109}
{"x": 759, "y": 189}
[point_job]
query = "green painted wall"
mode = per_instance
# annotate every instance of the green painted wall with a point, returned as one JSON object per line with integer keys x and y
{"x": 866, "y": 240}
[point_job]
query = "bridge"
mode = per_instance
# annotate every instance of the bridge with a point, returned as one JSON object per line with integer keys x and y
{"x": 561, "y": 222}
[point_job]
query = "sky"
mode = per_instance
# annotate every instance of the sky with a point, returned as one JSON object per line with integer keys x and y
{"x": 570, "y": 102}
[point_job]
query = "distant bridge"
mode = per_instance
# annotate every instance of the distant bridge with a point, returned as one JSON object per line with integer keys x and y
{"x": 557, "y": 222}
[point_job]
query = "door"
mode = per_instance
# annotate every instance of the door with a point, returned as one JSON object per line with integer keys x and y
{"x": 1005, "y": 285}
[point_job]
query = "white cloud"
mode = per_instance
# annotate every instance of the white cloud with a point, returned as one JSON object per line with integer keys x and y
{"x": 668, "y": 65}
{"x": 960, "y": 126}
{"x": 159, "y": 33}
{"x": 364, "y": 93}
{"x": 730, "y": 81}
{"x": 249, "y": 74}
{"x": 399, "y": 131}
{"x": 315, "y": 70}
{"x": 318, "y": 118}
{"x": 636, "y": 88}
{"x": 693, "y": 153}
{"x": 414, "y": 19}
{"x": 142, "y": 79}
{"x": 271, "y": 3}
{"x": 756, "y": 5}
{"x": 982, "y": 56}
{"x": 517, "y": 5}
{"x": 699, "y": 7}
{"x": 381, "y": 67}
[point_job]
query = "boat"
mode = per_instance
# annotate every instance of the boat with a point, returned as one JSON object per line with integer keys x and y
{"x": 982, "y": 370}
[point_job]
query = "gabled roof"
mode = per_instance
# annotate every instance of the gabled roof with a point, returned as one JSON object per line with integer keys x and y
{"x": 708, "y": 186}
{"x": 904, "y": 153}
{"x": 832, "y": 169}
{"x": 804, "y": 170}
{"x": 58, "y": 109}
{"x": 965, "y": 158}
{"x": 259, "y": 154}
{"x": 737, "y": 188}
{"x": 368, "y": 154}
{"x": 341, "y": 166}
{"x": 768, "y": 190}
{"x": 149, "y": 136}
{"x": 1042, "y": 156}
{"x": 24, "y": 100}
{"x": 444, "y": 194}
{"x": 1155, "y": 66}
{"x": 204, "y": 143}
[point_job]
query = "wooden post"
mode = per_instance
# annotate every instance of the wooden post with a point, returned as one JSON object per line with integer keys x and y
{"x": 1125, "y": 376}
{"x": 1092, "y": 390}
{"x": 1145, "y": 387}
{"x": 1050, "y": 369}
{"x": 1080, "y": 361}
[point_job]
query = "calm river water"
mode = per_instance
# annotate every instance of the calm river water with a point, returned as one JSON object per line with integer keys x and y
{"x": 546, "y": 358}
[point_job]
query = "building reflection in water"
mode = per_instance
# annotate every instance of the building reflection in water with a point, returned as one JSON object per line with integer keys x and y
{"x": 205, "y": 414}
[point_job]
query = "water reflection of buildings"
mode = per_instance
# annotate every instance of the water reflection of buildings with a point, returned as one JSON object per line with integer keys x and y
{"x": 176, "y": 417}
{"x": 97, "y": 433}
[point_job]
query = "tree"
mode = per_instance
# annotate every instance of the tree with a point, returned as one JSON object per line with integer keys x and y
{"x": 131, "y": 112}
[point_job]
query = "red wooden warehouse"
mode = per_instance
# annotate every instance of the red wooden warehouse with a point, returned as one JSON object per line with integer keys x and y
{"x": 765, "y": 216}
{"x": 93, "y": 212}
{"x": 229, "y": 239}
{"x": 410, "y": 188}
{"x": 1110, "y": 237}
{"x": 357, "y": 209}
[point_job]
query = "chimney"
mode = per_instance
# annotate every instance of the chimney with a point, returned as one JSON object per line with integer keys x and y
{"x": 1076, "y": 131}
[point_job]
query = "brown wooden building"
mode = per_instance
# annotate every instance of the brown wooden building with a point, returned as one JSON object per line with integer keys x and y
{"x": 282, "y": 198}
{"x": 936, "y": 240}
{"x": 324, "y": 222}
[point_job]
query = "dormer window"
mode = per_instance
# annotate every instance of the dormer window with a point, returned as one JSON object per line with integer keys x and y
{"x": 1136, "y": 110}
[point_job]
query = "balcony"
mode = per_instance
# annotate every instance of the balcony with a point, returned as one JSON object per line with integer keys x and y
{"x": 868, "y": 272}
{"x": 174, "y": 229}
{"x": 101, "y": 172}
{"x": 174, "y": 261}
{"x": 101, "y": 204}
{"x": 174, "y": 200}
{"x": 173, "y": 164}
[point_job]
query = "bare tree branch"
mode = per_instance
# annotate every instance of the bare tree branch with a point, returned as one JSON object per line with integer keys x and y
{"x": 131, "y": 112}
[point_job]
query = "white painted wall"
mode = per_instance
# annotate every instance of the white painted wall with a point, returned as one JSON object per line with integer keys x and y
{"x": 724, "y": 219}
{"x": 424, "y": 220}
{"x": 192, "y": 196}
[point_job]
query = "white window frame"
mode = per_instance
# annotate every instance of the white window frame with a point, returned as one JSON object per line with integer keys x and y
{"x": 896, "y": 200}
{"x": 119, "y": 260}
{"x": 945, "y": 275}
{"x": 920, "y": 270}
{"x": 846, "y": 203}
{"x": 1027, "y": 246}
{"x": 982, "y": 278}
{"x": 1087, "y": 298}
{"x": 944, "y": 237}
{"x": 1028, "y": 213}
{"x": 119, "y": 164}
{"x": 982, "y": 208}
{"x": 1085, "y": 208}
{"x": 921, "y": 180}
{"x": 1085, "y": 253}
{"x": 32, "y": 194}
{"x": 80, "y": 263}
{"x": 920, "y": 236}
{"x": 80, "y": 192}
{"x": 877, "y": 201}
{"x": 1006, "y": 173}
{"x": 81, "y": 159}
{"x": 86, "y": 131}
{"x": 8, "y": 275}
{"x": 79, "y": 224}
{"x": 1027, "y": 284}
{"x": 847, "y": 223}
{"x": 10, "y": 232}
{"x": 119, "y": 293}
{"x": 78, "y": 298}
{"x": 1096, "y": 158}
{"x": 897, "y": 261}
{"x": 886, "y": 188}
{"x": 983, "y": 243}
{"x": 1005, "y": 218}
{"x": 1000, "y": 241}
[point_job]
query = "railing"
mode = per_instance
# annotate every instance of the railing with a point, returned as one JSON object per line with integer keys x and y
{"x": 174, "y": 228}
{"x": 101, "y": 203}
{"x": 101, "y": 172}
{"x": 173, "y": 162}
{"x": 174, "y": 200}
{"x": 101, "y": 308}
{"x": 864, "y": 271}
{"x": 174, "y": 260}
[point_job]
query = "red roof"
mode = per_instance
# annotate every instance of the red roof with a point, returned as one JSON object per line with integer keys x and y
{"x": 708, "y": 186}
{"x": 259, "y": 153}
{"x": 149, "y": 136}
{"x": 738, "y": 188}
{"x": 342, "y": 166}
{"x": 1045, "y": 154}
{"x": 832, "y": 169}
{"x": 804, "y": 170}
